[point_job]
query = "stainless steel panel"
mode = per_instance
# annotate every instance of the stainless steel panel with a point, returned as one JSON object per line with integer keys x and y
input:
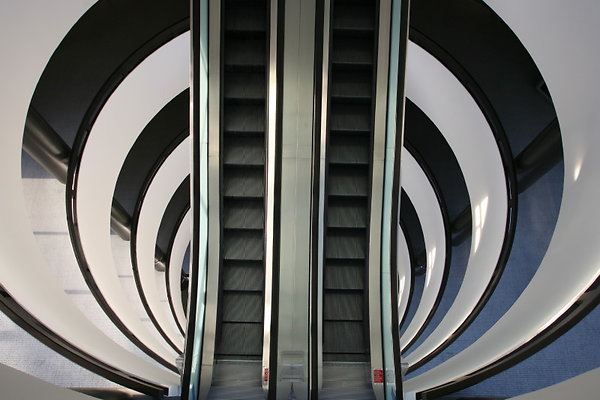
{"x": 296, "y": 187}
{"x": 270, "y": 190}
{"x": 322, "y": 194}
{"x": 214, "y": 231}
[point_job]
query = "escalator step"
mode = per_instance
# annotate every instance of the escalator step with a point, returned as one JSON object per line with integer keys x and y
{"x": 243, "y": 275}
{"x": 344, "y": 274}
{"x": 350, "y": 117}
{"x": 347, "y": 213}
{"x": 248, "y": 151}
{"x": 244, "y": 85}
{"x": 245, "y": 16}
{"x": 242, "y": 279}
{"x": 242, "y": 182}
{"x": 343, "y": 306}
{"x": 348, "y": 181}
{"x": 243, "y": 214}
{"x": 244, "y": 118}
{"x": 247, "y": 378}
{"x": 343, "y": 337}
{"x": 352, "y": 85}
{"x": 248, "y": 52}
{"x": 240, "y": 339}
{"x": 349, "y": 149}
{"x": 353, "y": 15}
{"x": 345, "y": 244}
{"x": 352, "y": 62}
{"x": 243, "y": 245}
{"x": 353, "y": 53}
{"x": 242, "y": 307}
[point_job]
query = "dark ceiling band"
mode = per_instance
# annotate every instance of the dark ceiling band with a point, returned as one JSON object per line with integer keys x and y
{"x": 447, "y": 234}
{"x": 493, "y": 120}
{"x": 73, "y": 172}
{"x": 101, "y": 42}
{"x": 168, "y": 265}
{"x": 582, "y": 307}
{"x": 31, "y": 325}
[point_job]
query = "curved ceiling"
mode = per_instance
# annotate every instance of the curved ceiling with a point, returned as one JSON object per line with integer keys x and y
{"x": 474, "y": 89}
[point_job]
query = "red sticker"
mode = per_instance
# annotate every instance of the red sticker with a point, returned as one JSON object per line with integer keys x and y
{"x": 266, "y": 375}
{"x": 377, "y": 376}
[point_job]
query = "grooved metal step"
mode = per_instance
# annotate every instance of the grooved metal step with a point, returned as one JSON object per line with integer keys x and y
{"x": 239, "y": 333}
{"x": 348, "y": 181}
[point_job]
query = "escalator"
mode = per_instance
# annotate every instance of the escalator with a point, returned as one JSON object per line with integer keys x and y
{"x": 350, "y": 136}
{"x": 239, "y": 332}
